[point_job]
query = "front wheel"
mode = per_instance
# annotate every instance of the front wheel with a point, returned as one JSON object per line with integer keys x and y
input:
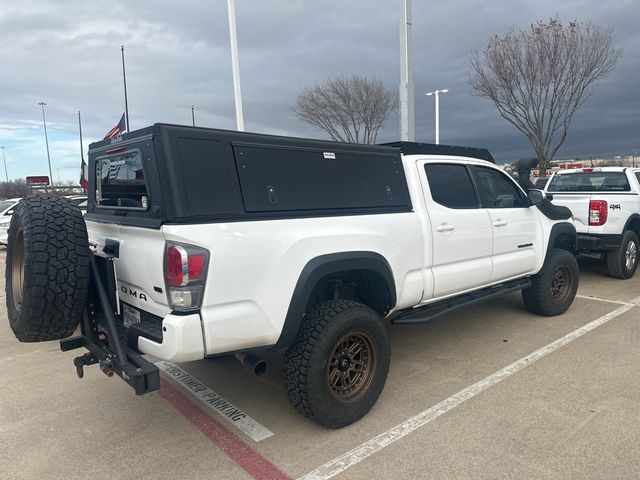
{"x": 337, "y": 366}
{"x": 555, "y": 286}
{"x": 623, "y": 261}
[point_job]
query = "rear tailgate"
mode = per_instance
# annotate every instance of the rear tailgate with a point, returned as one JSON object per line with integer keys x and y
{"x": 139, "y": 264}
{"x": 578, "y": 203}
{"x": 606, "y": 189}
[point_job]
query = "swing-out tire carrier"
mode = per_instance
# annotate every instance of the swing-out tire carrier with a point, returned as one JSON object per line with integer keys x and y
{"x": 100, "y": 336}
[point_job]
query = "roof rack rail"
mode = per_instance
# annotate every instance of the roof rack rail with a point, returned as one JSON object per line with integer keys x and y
{"x": 409, "y": 148}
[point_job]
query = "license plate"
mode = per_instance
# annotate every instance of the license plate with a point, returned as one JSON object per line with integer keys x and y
{"x": 130, "y": 316}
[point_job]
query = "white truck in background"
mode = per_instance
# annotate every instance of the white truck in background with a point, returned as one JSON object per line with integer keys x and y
{"x": 605, "y": 202}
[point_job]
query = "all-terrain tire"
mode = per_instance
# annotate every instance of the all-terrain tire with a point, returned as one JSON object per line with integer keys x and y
{"x": 555, "y": 286}
{"x": 623, "y": 261}
{"x": 337, "y": 366}
{"x": 47, "y": 274}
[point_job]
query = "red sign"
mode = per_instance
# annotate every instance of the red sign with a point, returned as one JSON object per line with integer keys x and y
{"x": 565, "y": 166}
{"x": 42, "y": 180}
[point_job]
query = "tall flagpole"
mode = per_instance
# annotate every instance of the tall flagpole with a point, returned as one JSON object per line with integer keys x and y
{"x": 124, "y": 76}
{"x": 5, "y": 164}
{"x": 81, "y": 149}
{"x": 46, "y": 141}
{"x": 231, "y": 6}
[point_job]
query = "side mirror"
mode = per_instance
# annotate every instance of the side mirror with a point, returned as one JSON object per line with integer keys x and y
{"x": 9, "y": 212}
{"x": 535, "y": 196}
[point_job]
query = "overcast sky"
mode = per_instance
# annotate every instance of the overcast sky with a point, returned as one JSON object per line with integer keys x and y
{"x": 67, "y": 54}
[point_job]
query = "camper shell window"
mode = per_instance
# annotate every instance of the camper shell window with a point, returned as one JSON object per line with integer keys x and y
{"x": 120, "y": 182}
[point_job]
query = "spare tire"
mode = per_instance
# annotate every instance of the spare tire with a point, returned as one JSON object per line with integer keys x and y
{"x": 47, "y": 271}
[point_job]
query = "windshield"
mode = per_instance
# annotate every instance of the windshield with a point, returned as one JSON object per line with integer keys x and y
{"x": 5, "y": 204}
{"x": 120, "y": 182}
{"x": 590, "y": 182}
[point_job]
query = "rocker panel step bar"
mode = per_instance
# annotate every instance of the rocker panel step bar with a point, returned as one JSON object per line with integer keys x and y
{"x": 429, "y": 312}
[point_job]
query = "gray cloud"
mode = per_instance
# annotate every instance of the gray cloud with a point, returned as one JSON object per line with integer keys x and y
{"x": 67, "y": 54}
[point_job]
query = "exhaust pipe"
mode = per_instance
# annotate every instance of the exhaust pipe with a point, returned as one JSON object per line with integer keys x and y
{"x": 254, "y": 363}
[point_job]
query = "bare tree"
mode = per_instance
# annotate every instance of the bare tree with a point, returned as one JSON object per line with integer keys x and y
{"x": 14, "y": 188}
{"x": 349, "y": 108}
{"x": 538, "y": 77}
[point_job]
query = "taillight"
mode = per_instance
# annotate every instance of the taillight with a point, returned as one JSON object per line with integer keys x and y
{"x": 598, "y": 212}
{"x": 185, "y": 270}
{"x": 176, "y": 271}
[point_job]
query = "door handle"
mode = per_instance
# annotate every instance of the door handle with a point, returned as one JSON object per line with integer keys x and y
{"x": 499, "y": 223}
{"x": 445, "y": 227}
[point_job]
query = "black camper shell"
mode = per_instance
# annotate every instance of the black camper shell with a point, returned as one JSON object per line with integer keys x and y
{"x": 179, "y": 174}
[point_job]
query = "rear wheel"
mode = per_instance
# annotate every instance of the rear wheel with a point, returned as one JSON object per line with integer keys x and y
{"x": 555, "y": 286}
{"x": 47, "y": 272}
{"x": 623, "y": 261}
{"x": 337, "y": 366}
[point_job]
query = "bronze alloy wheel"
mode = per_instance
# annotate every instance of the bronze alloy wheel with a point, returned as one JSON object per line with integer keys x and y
{"x": 560, "y": 283}
{"x": 352, "y": 366}
{"x": 336, "y": 367}
{"x": 554, "y": 287}
{"x": 17, "y": 270}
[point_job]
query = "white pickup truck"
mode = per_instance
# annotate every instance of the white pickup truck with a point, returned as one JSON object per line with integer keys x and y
{"x": 221, "y": 242}
{"x": 605, "y": 202}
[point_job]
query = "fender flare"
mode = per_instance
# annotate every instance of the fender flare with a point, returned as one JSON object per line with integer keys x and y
{"x": 318, "y": 268}
{"x": 563, "y": 228}
{"x": 633, "y": 217}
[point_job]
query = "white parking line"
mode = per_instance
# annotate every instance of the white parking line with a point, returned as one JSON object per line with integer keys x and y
{"x": 366, "y": 449}
{"x": 606, "y": 300}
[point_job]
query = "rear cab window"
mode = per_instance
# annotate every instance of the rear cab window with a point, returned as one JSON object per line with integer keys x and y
{"x": 120, "y": 182}
{"x": 590, "y": 182}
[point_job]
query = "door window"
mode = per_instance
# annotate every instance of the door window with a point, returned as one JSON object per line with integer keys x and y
{"x": 451, "y": 185}
{"x": 497, "y": 190}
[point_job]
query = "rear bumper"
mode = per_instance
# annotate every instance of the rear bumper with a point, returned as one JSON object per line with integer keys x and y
{"x": 590, "y": 242}
{"x": 182, "y": 339}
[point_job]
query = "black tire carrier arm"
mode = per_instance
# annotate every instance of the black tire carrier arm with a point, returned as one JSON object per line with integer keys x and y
{"x": 102, "y": 337}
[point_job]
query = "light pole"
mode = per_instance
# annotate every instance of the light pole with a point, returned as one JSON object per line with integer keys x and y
{"x": 5, "y": 164}
{"x": 437, "y": 94}
{"x": 235, "y": 66}
{"x": 193, "y": 116}
{"x": 46, "y": 140}
{"x": 407, "y": 119}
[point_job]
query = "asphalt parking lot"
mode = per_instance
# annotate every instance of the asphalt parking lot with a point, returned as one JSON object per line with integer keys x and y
{"x": 490, "y": 391}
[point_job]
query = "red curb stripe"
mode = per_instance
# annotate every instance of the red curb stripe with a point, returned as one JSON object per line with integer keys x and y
{"x": 246, "y": 457}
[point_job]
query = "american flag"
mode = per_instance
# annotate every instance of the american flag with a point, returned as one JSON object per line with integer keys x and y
{"x": 117, "y": 130}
